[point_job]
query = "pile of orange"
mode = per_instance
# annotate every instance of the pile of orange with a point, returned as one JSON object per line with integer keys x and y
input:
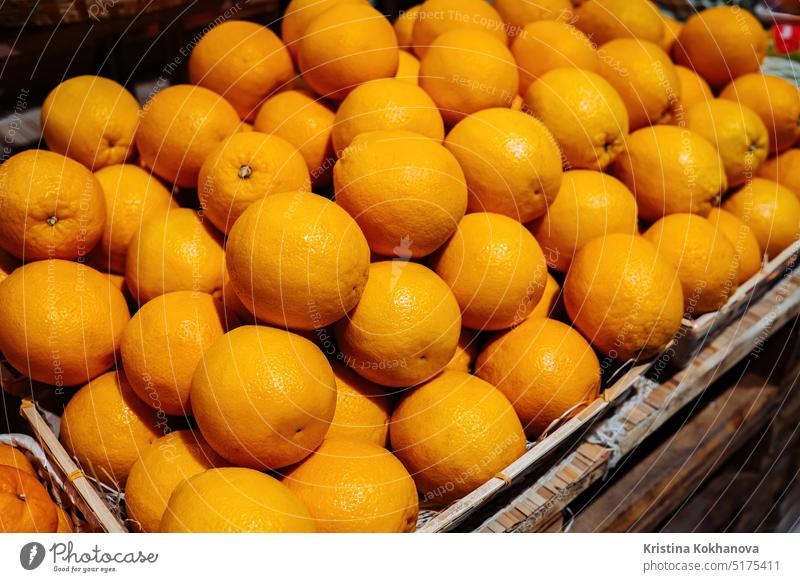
{"x": 400, "y": 251}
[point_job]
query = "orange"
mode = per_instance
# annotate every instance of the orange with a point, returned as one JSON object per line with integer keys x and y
{"x": 703, "y": 256}
{"x": 466, "y": 351}
{"x": 495, "y": 269}
{"x": 362, "y": 408}
{"x": 721, "y": 44}
{"x": 263, "y": 397}
{"x": 770, "y": 210}
{"x": 245, "y": 168}
{"x": 784, "y": 169}
{"x": 748, "y": 253}
{"x": 386, "y": 104}
{"x": 644, "y": 77}
{"x": 164, "y": 341}
{"x": 174, "y": 251}
{"x": 510, "y": 160}
{"x": 180, "y": 126}
{"x": 606, "y": 20}
{"x": 546, "y": 45}
{"x": 551, "y": 304}
{"x": 305, "y": 122}
{"x": 407, "y": 68}
{"x": 589, "y": 204}
{"x": 465, "y": 71}
{"x": 738, "y": 133}
{"x": 404, "y": 26}
{"x": 107, "y": 428}
{"x": 25, "y": 505}
{"x": 694, "y": 88}
{"x": 775, "y": 100}
{"x": 164, "y": 465}
{"x": 436, "y": 17}
{"x": 297, "y": 259}
{"x": 518, "y": 13}
{"x": 132, "y": 196}
{"x": 453, "y": 434}
{"x": 671, "y": 169}
{"x": 299, "y": 14}
{"x": 65, "y": 524}
{"x": 672, "y": 29}
{"x": 16, "y": 458}
{"x": 405, "y": 328}
{"x": 242, "y": 61}
{"x": 235, "y": 500}
{"x": 546, "y": 370}
{"x": 92, "y": 120}
{"x": 53, "y": 208}
{"x": 623, "y": 296}
{"x": 62, "y": 321}
{"x": 585, "y": 114}
{"x": 348, "y": 44}
{"x": 353, "y": 486}
{"x": 406, "y": 191}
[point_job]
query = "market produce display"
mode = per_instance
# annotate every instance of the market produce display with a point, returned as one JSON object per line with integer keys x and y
{"x": 354, "y": 268}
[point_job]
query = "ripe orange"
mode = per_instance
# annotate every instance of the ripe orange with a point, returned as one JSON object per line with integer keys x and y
{"x": 551, "y": 304}
{"x": 306, "y": 122}
{"x": 671, "y": 169}
{"x": 672, "y": 29}
{"x": 546, "y": 45}
{"x": 510, "y": 160}
{"x": 405, "y": 328}
{"x": 180, "y": 126}
{"x": 299, "y": 14}
{"x": 348, "y": 44}
{"x": 694, "y": 89}
{"x": 163, "y": 343}
{"x": 263, "y": 397}
{"x": 770, "y": 210}
{"x": 297, "y": 259}
{"x": 404, "y": 26}
{"x": 738, "y": 133}
{"x": 242, "y": 61}
{"x": 453, "y": 434}
{"x": 174, "y": 251}
{"x": 16, "y": 458}
{"x": 623, "y": 296}
{"x": 495, "y": 269}
{"x": 107, "y": 428}
{"x": 362, "y": 408}
{"x": 53, "y": 207}
{"x": 386, "y": 104}
{"x": 406, "y": 191}
{"x": 245, "y": 168}
{"x": 784, "y": 169}
{"x": 62, "y": 321}
{"x": 92, "y": 120}
{"x": 465, "y": 71}
{"x": 132, "y": 196}
{"x": 407, "y": 68}
{"x": 546, "y": 370}
{"x": 25, "y": 505}
{"x": 721, "y": 44}
{"x": 606, "y": 20}
{"x": 589, "y": 204}
{"x": 585, "y": 114}
{"x": 518, "y": 13}
{"x": 466, "y": 351}
{"x": 748, "y": 253}
{"x": 644, "y": 77}
{"x": 775, "y": 100}
{"x": 235, "y": 500}
{"x": 436, "y": 17}
{"x": 164, "y": 465}
{"x": 352, "y": 486}
{"x": 703, "y": 256}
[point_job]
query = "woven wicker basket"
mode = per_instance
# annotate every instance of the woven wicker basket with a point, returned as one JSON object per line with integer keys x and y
{"x": 15, "y": 13}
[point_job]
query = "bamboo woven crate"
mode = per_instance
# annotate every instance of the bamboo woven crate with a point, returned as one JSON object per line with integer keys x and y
{"x": 695, "y": 333}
